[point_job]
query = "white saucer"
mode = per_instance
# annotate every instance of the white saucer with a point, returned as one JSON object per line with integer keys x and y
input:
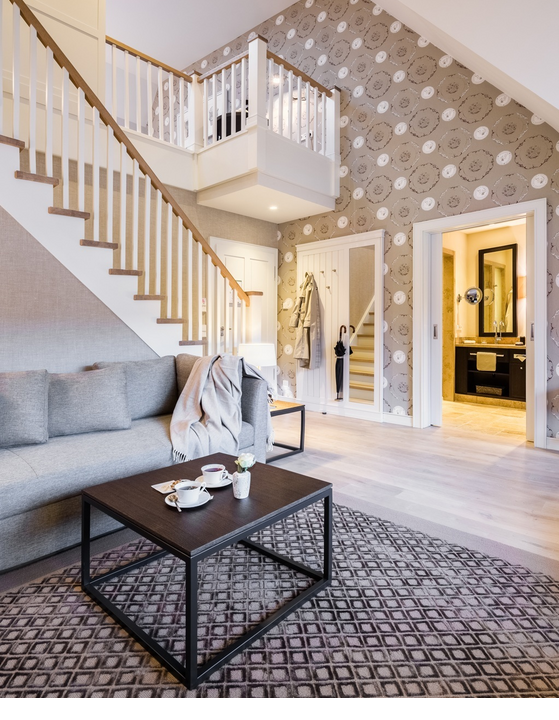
{"x": 204, "y": 498}
{"x": 224, "y": 483}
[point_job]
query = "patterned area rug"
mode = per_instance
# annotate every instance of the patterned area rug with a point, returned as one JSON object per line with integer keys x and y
{"x": 407, "y": 615}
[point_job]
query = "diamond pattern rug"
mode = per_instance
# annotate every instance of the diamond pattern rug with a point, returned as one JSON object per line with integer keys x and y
{"x": 407, "y": 615}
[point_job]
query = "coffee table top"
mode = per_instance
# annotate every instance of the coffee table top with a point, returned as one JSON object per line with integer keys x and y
{"x": 194, "y": 531}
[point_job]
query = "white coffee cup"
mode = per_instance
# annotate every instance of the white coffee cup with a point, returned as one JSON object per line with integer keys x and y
{"x": 188, "y": 492}
{"x": 214, "y": 474}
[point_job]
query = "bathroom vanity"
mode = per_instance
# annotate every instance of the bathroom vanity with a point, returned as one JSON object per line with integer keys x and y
{"x": 507, "y": 381}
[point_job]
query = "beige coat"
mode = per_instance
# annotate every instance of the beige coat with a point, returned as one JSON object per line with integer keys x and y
{"x": 306, "y": 319}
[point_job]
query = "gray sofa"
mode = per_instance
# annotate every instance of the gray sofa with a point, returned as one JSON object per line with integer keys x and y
{"x": 41, "y": 479}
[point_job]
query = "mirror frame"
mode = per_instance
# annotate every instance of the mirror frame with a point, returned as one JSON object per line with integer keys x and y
{"x": 482, "y": 332}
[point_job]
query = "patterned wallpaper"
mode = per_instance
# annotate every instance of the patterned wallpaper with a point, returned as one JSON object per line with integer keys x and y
{"x": 422, "y": 137}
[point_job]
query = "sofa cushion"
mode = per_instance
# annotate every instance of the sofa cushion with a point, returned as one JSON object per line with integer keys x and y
{"x": 151, "y": 385}
{"x": 37, "y": 475}
{"x": 23, "y": 408}
{"x": 246, "y": 438}
{"x": 185, "y": 363}
{"x": 88, "y": 402}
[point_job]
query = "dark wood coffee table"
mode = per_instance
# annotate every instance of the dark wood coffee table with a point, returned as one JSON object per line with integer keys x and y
{"x": 198, "y": 533}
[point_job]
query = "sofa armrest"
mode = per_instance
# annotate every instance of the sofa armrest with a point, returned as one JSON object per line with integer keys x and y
{"x": 254, "y": 407}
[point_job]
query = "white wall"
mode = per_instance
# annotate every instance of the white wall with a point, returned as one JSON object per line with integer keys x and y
{"x": 510, "y": 43}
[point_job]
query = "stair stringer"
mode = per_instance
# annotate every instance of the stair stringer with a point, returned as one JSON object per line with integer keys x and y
{"x": 28, "y": 202}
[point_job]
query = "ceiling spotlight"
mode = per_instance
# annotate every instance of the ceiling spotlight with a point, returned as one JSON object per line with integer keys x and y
{"x": 273, "y": 207}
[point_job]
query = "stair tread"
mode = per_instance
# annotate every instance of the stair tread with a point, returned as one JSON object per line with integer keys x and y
{"x": 5, "y": 140}
{"x": 69, "y": 213}
{"x": 150, "y": 297}
{"x": 116, "y": 271}
{"x": 99, "y": 244}
{"x": 361, "y": 371}
{"x": 192, "y": 342}
{"x": 363, "y": 356}
{"x": 169, "y": 321}
{"x": 360, "y": 386}
{"x": 33, "y": 177}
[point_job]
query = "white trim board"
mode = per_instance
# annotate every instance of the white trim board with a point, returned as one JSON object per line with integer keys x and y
{"x": 427, "y": 280}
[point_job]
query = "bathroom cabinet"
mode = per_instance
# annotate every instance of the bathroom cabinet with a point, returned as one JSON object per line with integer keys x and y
{"x": 507, "y": 381}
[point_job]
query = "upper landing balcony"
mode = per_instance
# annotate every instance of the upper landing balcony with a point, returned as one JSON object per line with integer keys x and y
{"x": 255, "y": 136}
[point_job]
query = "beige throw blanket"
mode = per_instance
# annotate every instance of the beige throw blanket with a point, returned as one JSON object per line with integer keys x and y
{"x": 207, "y": 417}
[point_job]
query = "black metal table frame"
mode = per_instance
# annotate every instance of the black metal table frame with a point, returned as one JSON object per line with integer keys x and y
{"x": 189, "y": 673}
{"x": 293, "y": 449}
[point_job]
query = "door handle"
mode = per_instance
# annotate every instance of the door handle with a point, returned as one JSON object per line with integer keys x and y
{"x": 435, "y": 332}
{"x": 532, "y": 331}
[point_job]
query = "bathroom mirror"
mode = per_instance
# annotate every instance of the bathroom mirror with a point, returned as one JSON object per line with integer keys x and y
{"x": 497, "y": 278}
{"x": 473, "y": 296}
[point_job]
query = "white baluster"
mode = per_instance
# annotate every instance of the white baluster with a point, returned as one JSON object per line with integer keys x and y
{"x": 223, "y": 104}
{"x": 110, "y": 185}
{"x": 138, "y": 95}
{"x": 200, "y": 291}
{"x": 206, "y": 109}
{"x": 271, "y": 94}
{"x": 160, "y": 101}
{"x": 180, "y": 267}
{"x": 243, "y": 92}
{"x": 65, "y": 126}
{"x": 181, "y": 126}
{"x": 210, "y": 305}
{"x": 122, "y": 234}
{"x": 244, "y": 311}
{"x": 280, "y": 101}
{"x": 149, "y": 101}
{"x": 15, "y": 71}
{"x": 115, "y": 82}
{"x": 218, "y": 304}
{"x": 226, "y": 319}
{"x": 214, "y": 109}
{"x": 96, "y": 189}
{"x": 49, "y": 113}
{"x": 81, "y": 150}
{"x": 169, "y": 270}
{"x": 290, "y": 105}
{"x": 135, "y": 256}
{"x": 299, "y": 107}
{"x": 233, "y": 96}
{"x": 234, "y": 322}
{"x": 308, "y": 109}
{"x": 315, "y": 123}
{"x": 32, "y": 99}
{"x": 157, "y": 278}
{"x": 126, "y": 90}
{"x": 323, "y": 120}
{"x": 189, "y": 281}
{"x": 171, "y": 89}
{"x": 147, "y": 234}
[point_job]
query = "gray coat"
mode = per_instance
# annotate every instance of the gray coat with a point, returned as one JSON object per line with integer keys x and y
{"x": 306, "y": 319}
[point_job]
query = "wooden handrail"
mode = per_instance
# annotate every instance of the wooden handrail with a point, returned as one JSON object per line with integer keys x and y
{"x": 76, "y": 78}
{"x": 225, "y": 66}
{"x": 147, "y": 58}
{"x": 298, "y": 73}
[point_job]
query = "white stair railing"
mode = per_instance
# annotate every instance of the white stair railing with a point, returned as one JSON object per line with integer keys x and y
{"x": 53, "y": 114}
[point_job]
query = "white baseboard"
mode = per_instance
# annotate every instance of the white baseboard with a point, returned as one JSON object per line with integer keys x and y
{"x": 552, "y": 444}
{"x": 343, "y": 411}
{"x": 403, "y": 420}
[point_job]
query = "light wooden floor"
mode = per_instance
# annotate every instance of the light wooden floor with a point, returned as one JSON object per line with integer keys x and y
{"x": 492, "y": 484}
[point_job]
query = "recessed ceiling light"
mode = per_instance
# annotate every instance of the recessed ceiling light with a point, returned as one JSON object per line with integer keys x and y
{"x": 273, "y": 207}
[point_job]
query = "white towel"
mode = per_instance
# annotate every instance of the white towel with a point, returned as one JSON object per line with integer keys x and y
{"x": 486, "y": 361}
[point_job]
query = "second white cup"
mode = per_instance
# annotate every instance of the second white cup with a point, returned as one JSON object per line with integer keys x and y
{"x": 188, "y": 492}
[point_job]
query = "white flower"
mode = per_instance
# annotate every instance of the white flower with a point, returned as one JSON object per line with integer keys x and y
{"x": 245, "y": 461}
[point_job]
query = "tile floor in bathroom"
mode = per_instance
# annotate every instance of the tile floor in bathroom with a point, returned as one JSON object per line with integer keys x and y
{"x": 490, "y": 419}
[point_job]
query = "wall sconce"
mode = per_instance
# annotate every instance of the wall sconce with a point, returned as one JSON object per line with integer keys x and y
{"x": 521, "y": 287}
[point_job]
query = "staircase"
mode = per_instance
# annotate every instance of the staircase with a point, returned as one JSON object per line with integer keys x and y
{"x": 74, "y": 180}
{"x": 361, "y": 361}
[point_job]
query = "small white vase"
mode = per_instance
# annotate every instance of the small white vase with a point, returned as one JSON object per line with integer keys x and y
{"x": 241, "y": 484}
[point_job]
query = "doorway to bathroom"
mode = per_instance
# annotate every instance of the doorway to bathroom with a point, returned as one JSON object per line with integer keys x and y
{"x": 489, "y": 328}
{"x": 483, "y": 381}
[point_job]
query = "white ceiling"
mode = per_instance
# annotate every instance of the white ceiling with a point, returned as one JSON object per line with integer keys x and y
{"x": 180, "y": 32}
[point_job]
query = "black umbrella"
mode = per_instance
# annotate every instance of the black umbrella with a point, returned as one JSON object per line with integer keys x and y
{"x": 340, "y": 350}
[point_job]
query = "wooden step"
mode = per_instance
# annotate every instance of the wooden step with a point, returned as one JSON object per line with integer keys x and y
{"x": 169, "y": 321}
{"x": 105, "y": 245}
{"x": 367, "y": 335}
{"x": 193, "y": 342}
{"x": 363, "y": 347}
{"x": 5, "y": 140}
{"x": 116, "y": 271}
{"x": 361, "y": 371}
{"x": 69, "y": 213}
{"x": 364, "y": 324}
{"x": 20, "y": 175}
{"x": 150, "y": 297}
{"x": 360, "y": 386}
{"x": 362, "y": 357}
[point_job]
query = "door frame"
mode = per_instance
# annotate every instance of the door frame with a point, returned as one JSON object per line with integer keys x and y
{"x": 427, "y": 310}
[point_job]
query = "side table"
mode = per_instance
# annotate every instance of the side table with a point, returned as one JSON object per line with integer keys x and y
{"x": 282, "y": 407}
